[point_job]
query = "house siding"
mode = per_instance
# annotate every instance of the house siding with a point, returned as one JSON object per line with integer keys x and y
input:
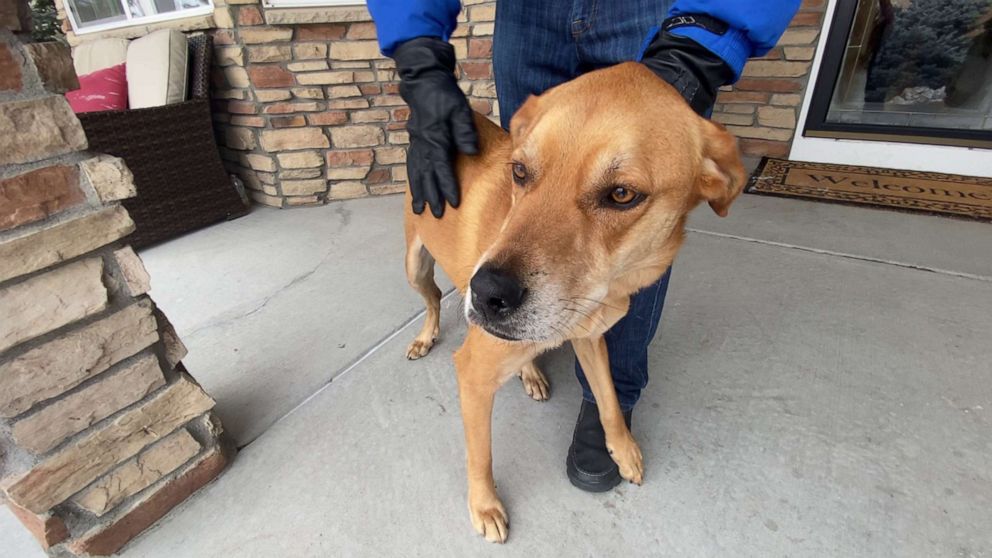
{"x": 306, "y": 109}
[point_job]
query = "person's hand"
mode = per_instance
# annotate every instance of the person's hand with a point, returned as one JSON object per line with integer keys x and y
{"x": 690, "y": 67}
{"x": 440, "y": 121}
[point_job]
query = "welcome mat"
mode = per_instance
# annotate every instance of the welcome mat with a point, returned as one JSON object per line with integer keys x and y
{"x": 943, "y": 194}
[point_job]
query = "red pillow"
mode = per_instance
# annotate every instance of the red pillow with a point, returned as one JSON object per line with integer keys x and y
{"x": 104, "y": 89}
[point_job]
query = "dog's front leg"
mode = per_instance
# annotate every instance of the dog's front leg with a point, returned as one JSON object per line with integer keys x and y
{"x": 483, "y": 363}
{"x": 594, "y": 358}
{"x": 484, "y": 506}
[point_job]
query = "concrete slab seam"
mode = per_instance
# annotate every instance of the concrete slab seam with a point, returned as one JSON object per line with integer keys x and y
{"x": 368, "y": 353}
{"x": 843, "y": 255}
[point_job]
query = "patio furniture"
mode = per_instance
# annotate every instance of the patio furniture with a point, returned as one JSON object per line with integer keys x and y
{"x": 181, "y": 182}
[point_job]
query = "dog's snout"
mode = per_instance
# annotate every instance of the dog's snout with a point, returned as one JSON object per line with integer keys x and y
{"x": 496, "y": 292}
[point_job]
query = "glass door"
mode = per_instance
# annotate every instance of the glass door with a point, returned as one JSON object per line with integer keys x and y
{"x": 916, "y": 71}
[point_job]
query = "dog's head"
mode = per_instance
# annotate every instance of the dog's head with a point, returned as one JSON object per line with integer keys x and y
{"x": 605, "y": 169}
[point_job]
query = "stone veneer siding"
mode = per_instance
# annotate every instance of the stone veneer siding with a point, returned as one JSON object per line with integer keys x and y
{"x": 102, "y": 431}
{"x": 309, "y": 111}
{"x": 306, "y": 109}
{"x": 762, "y": 108}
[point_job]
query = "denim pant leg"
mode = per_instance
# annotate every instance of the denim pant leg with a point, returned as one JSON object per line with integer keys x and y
{"x": 609, "y": 32}
{"x": 533, "y": 51}
{"x": 540, "y": 44}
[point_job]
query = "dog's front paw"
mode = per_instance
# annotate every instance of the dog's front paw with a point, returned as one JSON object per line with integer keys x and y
{"x": 418, "y": 348}
{"x": 421, "y": 345}
{"x": 489, "y": 518}
{"x": 536, "y": 384}
{"x": 627, "y": 455}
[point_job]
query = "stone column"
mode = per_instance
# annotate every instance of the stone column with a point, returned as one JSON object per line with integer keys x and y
{"x": 102, "y": 431}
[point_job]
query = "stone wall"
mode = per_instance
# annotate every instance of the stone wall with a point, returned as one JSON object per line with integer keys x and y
{"x": 762, "y": 109}
{"x": 308, "y": 110}
{"x": 101, "y": 429}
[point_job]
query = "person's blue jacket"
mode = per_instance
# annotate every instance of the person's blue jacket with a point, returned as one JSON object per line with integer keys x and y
{"x": 755, "y": 27}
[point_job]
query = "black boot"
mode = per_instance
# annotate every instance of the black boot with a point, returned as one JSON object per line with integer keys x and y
{"x": 588, "y": 464}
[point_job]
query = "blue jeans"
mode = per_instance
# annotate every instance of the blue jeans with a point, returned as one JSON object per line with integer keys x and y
{"x": 539, "y": 44}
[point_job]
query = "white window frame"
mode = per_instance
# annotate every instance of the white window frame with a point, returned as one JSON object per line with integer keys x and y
{"x": 969, "y": 161}
{"x": 133, "y": 21}
{"x": 311, "y": 3}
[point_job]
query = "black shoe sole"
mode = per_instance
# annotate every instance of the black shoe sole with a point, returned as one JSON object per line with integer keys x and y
{"x": 601, "y": 484}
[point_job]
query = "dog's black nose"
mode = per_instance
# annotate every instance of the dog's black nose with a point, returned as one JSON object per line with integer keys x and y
{"x": 496, "y": 292}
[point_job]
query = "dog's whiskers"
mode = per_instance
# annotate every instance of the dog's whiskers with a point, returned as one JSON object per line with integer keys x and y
{"x": 584, "y": 312}
{"x": 582, "y": 303}
{"x": 600, "y": 302}
{"x": 579, "y": 323}
{"x": 559, "y": 332}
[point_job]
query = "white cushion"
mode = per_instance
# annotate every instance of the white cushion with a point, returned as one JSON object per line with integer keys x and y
{"x": 97, "y": 55}
{"x": 156, "y": 69}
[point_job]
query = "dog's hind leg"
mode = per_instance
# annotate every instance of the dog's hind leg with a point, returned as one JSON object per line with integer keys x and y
{"x": 535, "y": 382}
{"x": 420, "y": 274}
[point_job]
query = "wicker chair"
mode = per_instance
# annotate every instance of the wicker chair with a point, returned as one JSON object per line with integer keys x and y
{"x": 182, "y": 184}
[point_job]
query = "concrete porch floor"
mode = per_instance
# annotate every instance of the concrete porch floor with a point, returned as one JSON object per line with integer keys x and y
{"x": 821, "y": 386}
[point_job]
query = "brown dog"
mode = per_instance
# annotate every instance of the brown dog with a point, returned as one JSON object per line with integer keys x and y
{"x": 580, "y": 206}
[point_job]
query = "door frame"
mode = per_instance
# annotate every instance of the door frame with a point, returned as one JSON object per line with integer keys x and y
{"x": 969, "y": 161}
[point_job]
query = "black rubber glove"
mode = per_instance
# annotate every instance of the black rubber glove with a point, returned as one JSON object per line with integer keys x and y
{"x": 440, "y": 121}
{"x": 690, "y": 67}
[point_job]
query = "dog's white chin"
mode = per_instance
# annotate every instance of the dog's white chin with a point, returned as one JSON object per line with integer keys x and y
{"x": 530, "y": 333}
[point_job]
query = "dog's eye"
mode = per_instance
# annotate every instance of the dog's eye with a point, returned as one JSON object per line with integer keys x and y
{"x": 519, "y": 173}
{"x": 623, "y": 198}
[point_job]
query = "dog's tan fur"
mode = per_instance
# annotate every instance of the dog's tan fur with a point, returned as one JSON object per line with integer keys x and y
{"x": 618, "y": 126}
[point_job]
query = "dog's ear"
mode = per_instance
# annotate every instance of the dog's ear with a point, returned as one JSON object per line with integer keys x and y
{"x": 722, "y": 177}
{"x": 523, "y": 119}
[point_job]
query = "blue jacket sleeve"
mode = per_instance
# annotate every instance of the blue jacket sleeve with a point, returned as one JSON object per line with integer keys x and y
{"x": 397, "y": 21}
{"x": 755, "y": 27}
